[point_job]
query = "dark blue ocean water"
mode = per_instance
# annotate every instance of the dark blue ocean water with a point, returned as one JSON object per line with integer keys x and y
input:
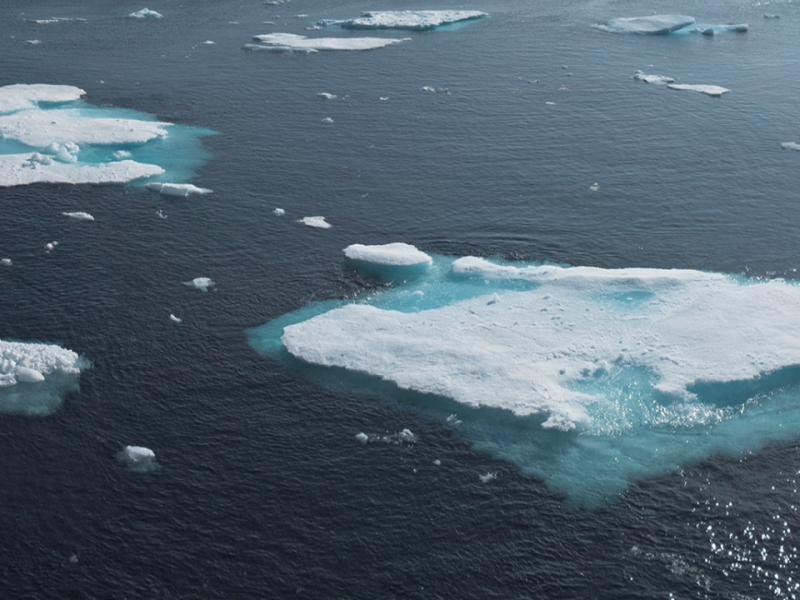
{"x": 263, "y": 490}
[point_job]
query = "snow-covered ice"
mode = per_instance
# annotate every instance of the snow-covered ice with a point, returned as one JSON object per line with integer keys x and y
{"x": 200, "y": 283}
{"x": 395, "y": 254}
{"x": 407, "y": 19}
{"x": 175, "y": 319}
{"x": 80, "y": 216}
{"x": 657, "y": 79}
{"x": 279, "y": 212}
{"x": 138, "y": 458}
{"x": 790, "y": 146}
{"x": 177, "y": 189}
{"x": 23, "y": 96}
{"x": 24, "y": 169}
{"x": 318, "y": 222}
{"x": 290, "y": 41}
{"x": 326, "y": 96}
{"x": 653, "y": 25}
{"x": 711, "y": 90}
{"x": 145, "y": 13}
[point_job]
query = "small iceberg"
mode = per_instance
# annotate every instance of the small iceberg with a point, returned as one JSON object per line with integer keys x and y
{"x": 791, "y": 146}
{"x": 318, "y": 222}
{"x": 417, "y": 20}
{"x": 177, "y": 189}
{"x": 145, "y": 13}
{"x": 657, "y": 79}
{"x": 711, "y": 90}
{"x": 79, "y": 216}
{"x": 278, "y": 212}
{"x": 362, "y": 437}
{"x": 290, "y": 41}
{"x": 200, "y": 283}
{"x": 138, "y": 458}
{"x": 652, "y": 25}
{"x": 175, "y": 319}
{"x": 395, "y": 254}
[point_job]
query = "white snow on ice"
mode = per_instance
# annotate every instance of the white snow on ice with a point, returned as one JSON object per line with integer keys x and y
{"x": 711, "y": 90}
{"x": 22, "y": 96}
{"x": 407, "y": 19}
{"x": 177, "y": 189}
{"x": 657, "y": 79}
{"x": 652, "y": 25}
{"x": 24, "y": 169}
{"x": 395, "y": 254}
{"x": 138, "y": 458}
{"x": 145, "y": 13}
{"x": 790, "y": 146}
{"x": 318, "y": 222}
{"x": 80, "y": 216}
{"x": 22, "y": 362}
{"x": 200, "y": 283}
{"x": 290, "y": 41}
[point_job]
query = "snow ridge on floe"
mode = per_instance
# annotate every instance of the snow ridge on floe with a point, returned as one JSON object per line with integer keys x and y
{"x": 418, "y": 20}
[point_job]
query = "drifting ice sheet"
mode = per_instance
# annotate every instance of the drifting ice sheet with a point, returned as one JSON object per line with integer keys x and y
{"x": 200, "y": 283}
{"x": 652, "y": 25}
{"x": 318, "y": 222}
{"x": 290, "y": 41}
{"x": 138, "y": 458}
{"x": 711, "y": 90}
{"x": 177, "y": 189}
{"x": 408, "y": 19}
{"x": 396, "y": 254}
{"x": 24, "y": 169}
{"x": 24, "y": 96}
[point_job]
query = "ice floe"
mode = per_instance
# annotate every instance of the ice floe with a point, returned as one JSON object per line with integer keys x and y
{"x": 34, "y": 377}
{"x": 79, "y": 216}
{"x": 487, "y": 477}
{"x": 24, "y": 169}
{"x": 200, "y": 283}
{"x": 290, "y": 41}
{"x": 395, "y": 254}
{"x": 408, "y": 19}
{"x": 327, "y": 120}
{"x": 326, "y": 96}
{"x": 404, "y": 437}
{"x": 790, "y": 146}
{"x": 318, "y": 222}
{"x": 145, "y": 13}
{"x": 657, "y": 79}
{"x": 711, "y": 90}
{"x": 651, "y": 25}
{"x": 6, "y": 262}
{"x": 138, "y": 458}
{"x": 278, "y": 212}
{"x": 49, "y": 247}
{"x": 177, "y": 189}
{"x": 23, "y": 96}
{"x": 175, "y": 319}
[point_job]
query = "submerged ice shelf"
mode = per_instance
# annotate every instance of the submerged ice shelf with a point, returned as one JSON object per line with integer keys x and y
{"x": 586, "y": 377}
{"x": 49, "y": 135}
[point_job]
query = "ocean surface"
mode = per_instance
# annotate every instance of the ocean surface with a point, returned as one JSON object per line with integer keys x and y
{"x": 483, "y": 141}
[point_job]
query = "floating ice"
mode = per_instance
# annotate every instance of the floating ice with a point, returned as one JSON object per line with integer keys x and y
{"x": 318, "y": 222}
{"x": 395, "y": 254}
{"x": 790, "y": 146}
{"x": 160, "y": 214}
{"x": 657, "y": 79}
{"x": 34, "y": 377}
{"x": 326, "y": 96}
{"x": 711, "y": 90}
{"x": 278, "y": 212}
{"x": 138, "y": 458}
{"x": 6, "y": 262}
{"x": 588, "y": 378}
{"x": 200, "y": 283}
{"x": 362, "y": 437}
{"x": 145, "y": 13}
{"x": 50, "y": 246}
{"x": 328, "y": 120}
{"x": 652, "y": 25}
{"x": 33, "y": 42}
{"x": 772, "y": 16}
{"x": 177, "y": 189}
{"x": 24, "y": 169}
{"x": 22, "y": 96}
{"x": 80, "y": 216}
{"x": 290, "y": 41}
{"x": 209, "y": 42}
{"x": 408, "y": 19}
{"x": 175, "y": 319}
{"x": 487, "y": 477}
{"x": 594, "y": 187}
{"x": 401, "y": 438}
{"x": 121, "y": 154}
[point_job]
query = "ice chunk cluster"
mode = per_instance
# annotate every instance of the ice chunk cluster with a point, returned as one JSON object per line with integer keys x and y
{"x": 34, "y": 377}
{"x": 395, "y": 254}
{"x": 292, "y": 42}
{"x": 418, "y": 20}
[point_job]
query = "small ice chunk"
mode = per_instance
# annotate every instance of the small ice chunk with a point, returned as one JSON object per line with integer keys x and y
{"x": 395, "y": 254}
{"x": 427, "y": 88}
{"x": 326, "y": 96}
{"x": 711, "y": 90}
{"x": 208, "y": 42}
{"x": 657, "y": 79}
{"x": 362, "y": 437}
{"x": 487, "y": 477}
{"x": 594, "y": 187}
{"x": 437, "y": 462}
{"x": 384, "y": 98}
{"x": 652, "y": 25}
{"x": 200, "y": 283}
{"x": 138, "y": 458}
{"x": 790, "y": 146}
{"x": 174, "y": 319}
{"x": 327, "y": 120}
{"x": 33, "y": 42}
{"x": 80, "y": 216}
{"x": 772, "y": 16}
{"x": 406, "y": 436}
{"x": 145, "y": 13}
{"x": 177, "y": 189}
{"x": 6, "y": 262}
{"x": 278, "y": 212}
{"x": 291, "y": 41}
{"x": 121, "y": 154}
{"x": 161, "y": 214}
{"x": 49, "y": 247}
{"x": 318, "y": 222}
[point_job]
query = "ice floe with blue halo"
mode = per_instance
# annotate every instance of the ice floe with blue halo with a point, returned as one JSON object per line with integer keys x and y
{"x": 667, "y": 24}
{"x": 396, "y": 254}
{"x": 292, "y": 42}
{"x": 417, "y": 20}
{"x": 590, "y": 379}
{"x": 35, "y": 377}
{"x": 48, "y": 134}
{"x": 145, "y": 13}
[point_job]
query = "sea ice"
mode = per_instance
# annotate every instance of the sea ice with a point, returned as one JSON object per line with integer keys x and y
{"x": 327, "y": 120}
{"x": 408, "y": 19}
{"x": 652, "y": 25}
{"x": 326, "y": 96}
{"x": 487, "y": 477}
{"x": 24, "y": 169}
{"x": 6, "y": 262}
{"x": 177, "y": 189}
{"x": 711, "y": 90}
{"x": 23, "y": 96}
{"x": 290, "y": 41}
{"x": 138, "y": 458}
{"x": 395, "y": 254}
{"x": 145, "y": 13}
{"x": 362, "y": 437}
{"x": 200, "y": 283}
{"x": 121, "y": 154}
{"x": 657, "y": 79}
{"x": 80, "y": 216}
{"x": 278, "y": 212}
{"x": 790, "y": 146}
{"x": 318, "y": 222}
{"x": 175, "y": 319}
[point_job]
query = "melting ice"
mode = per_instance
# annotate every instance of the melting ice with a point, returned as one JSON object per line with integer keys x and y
{"x": 418, "y": 20}
{"x": 666, "y": 24}
{"x": 588, "y": 378}
{"x": 290, "y": 42}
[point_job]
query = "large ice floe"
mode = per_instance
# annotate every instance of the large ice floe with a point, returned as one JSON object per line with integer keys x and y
{"x": 667, "y": 24}
{"x": 588, "y": 378}
{"x": 35, "y": 377}
{"x": 49, "y": 135}
{"x": 288, "y": 42}
{"x": 711, "y": 90}
{"x": 418, "y": 20}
